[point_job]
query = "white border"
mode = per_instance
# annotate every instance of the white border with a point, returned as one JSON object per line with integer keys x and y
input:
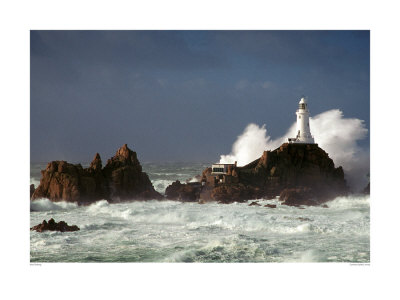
{"x": 188, "y": 281}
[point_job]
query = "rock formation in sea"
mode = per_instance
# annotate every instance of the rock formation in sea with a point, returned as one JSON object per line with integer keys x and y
{"x": 301, "y": 174}
{"x": 122, "y": 179}
{"x": 32, "y": 189}
{"x": 52, "y": 225}
{"x": 189, "y": 192}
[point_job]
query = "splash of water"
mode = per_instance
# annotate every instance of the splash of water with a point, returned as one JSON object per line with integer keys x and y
{"x": 337, "y": 135}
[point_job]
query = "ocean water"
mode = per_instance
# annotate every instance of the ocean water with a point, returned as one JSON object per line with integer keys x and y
{"x": 170, "y": 231}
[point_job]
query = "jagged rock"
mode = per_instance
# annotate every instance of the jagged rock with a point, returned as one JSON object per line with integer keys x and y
{"x": 54, "y": 226}
{"x": 183, "y": 192}
{"x": 120, "y": 180}
{"x": 60, "y": 181}
{"x": 126, "y": 180}
{"x": 254, "y": 204}
{"x": 32, "y": 189}
{"x": 96, "y": 165}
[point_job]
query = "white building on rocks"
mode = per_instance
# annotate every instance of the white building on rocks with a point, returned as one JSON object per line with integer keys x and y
{"x": 303, "y": 125}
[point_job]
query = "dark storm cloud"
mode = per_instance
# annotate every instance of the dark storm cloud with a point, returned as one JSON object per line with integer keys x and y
{"x": 184, "y": 95}
{"x": 138, "y": 49}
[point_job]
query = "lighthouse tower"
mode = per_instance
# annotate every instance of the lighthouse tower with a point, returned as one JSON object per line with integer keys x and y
{"x": 303, "y": 126}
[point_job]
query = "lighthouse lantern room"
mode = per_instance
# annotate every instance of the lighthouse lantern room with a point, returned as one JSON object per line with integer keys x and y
{"x": 303, "y": 125}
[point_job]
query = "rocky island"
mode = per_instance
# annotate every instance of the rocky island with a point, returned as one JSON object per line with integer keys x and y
{"x": 301, "y": 174}
{"x": 52, "y": 225}
{"x": 121, "y": 179}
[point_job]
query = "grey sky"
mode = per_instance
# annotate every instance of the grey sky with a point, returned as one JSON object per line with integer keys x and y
{"x": 185, "y": 95}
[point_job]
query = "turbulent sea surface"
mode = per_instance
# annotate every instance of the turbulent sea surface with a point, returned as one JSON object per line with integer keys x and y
{"x": 169, "y": 231}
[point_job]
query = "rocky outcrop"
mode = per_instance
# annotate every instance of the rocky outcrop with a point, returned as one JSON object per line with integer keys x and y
{"x": 295, "y": 166}
{"x": 298, "y": 196}
{"x": 301, "y": 174}
{"x": 125, "y": 177}
{"x": 54, "y": 226}
{"x": 121, "y": 179}
{"x": 229, "y": 193}
{"x": 188, "y": 192}
{"x": 32, "y": 189}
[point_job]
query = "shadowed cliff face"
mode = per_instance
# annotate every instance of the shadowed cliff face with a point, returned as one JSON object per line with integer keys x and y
{"x": 302, "y": 174}
{"x": 120, "y": 180}
{"x": 292, "y": 166}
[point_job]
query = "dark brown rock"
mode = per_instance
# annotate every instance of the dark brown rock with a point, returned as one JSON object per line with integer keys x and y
{"x": 188, "y": 192}
{"x": 298, "y": 196}
{"x": 96, "y": 165}
{"x": 230, "y": 193}
{"x": 254, "y": 204}
{"x": 270, "y": 205}
{"x": 121, "y": 179}
{"x": 295, "y": 165}
{"x": 52, "y": 225}
{"x": 32, "y": 189}
{"x": 60, "y": 181}
{"x": 125, "y": 178}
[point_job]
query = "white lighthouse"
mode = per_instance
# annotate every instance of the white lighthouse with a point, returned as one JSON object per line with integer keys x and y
{"x": 303, "y": 125}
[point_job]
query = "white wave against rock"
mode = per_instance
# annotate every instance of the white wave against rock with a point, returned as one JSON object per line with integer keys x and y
{"x": 334, "y": 133}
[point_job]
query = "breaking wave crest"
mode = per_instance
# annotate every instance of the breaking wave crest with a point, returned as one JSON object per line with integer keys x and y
{"x": 44, "y": 204}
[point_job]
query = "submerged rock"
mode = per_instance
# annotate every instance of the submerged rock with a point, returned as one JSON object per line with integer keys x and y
{"x": 54, "y": 226}
{"x": 121, "y": 179}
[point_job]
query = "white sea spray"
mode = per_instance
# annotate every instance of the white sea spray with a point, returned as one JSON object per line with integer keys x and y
{"x": 334, "y": 133}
